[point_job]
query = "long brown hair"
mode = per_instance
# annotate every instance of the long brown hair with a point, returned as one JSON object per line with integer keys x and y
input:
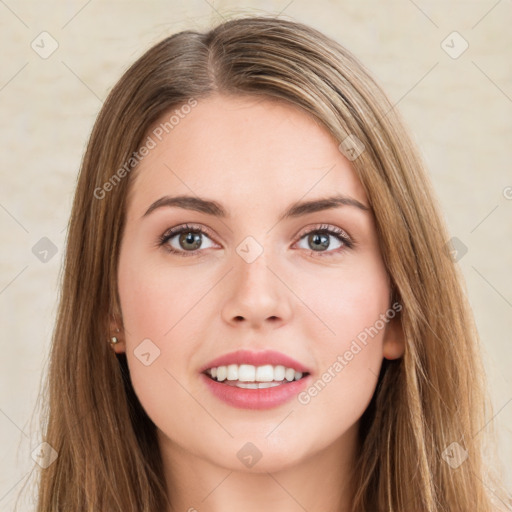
{"x": 108, "y": 457}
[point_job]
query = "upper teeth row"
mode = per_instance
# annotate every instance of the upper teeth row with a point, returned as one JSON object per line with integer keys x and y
{"x": 250, "y": 373}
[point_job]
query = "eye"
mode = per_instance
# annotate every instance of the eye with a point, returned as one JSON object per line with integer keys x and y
{"x": 184, "y": 239}
{"x": 318, "y": 240}
{"x": 188, "y": 240}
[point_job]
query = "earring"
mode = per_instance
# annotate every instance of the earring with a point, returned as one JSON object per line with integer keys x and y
{"x": 113, "y": 339}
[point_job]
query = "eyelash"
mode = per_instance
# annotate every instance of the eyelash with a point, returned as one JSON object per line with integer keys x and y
{"x": 338, "y": 233}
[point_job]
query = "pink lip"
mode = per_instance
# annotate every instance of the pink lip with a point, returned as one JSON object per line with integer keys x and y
{"x": 255, "y": 399}
{"x": 256, "y": 359}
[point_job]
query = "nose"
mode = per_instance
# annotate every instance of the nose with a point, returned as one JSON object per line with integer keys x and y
{"x": 257, "y": 295}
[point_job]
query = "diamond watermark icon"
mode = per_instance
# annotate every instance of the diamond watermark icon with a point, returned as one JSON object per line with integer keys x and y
{"x": 454, "y": 455}
{"x": 249, "y": 249}
{"x": 146, "y": 352}
{"x": 456, "y": 249}
{"x": 44, "y": 250}
{"x": 44, "y": 45}
{"x": 249, "y": 454}
{"x": 351, "y": 147}
{"x": 454, "y": 45}
{"x": 44, "y": 455}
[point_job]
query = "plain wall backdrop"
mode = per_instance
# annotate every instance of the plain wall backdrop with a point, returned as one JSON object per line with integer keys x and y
{"x": 444, "y": 64}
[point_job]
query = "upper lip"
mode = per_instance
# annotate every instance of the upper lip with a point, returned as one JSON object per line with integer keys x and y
{"x": 256, "y": 359}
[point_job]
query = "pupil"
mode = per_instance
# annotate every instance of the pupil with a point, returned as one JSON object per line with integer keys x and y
{"x": 321, "y": 239}
{"x": 191, "y": 238}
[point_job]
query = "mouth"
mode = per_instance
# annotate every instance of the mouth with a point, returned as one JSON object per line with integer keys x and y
{"x": 247, "y": 379}
{"x": 247, "y": 376}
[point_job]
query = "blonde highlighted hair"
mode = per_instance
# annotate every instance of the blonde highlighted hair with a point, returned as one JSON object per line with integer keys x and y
{"x": 108, "y": 457}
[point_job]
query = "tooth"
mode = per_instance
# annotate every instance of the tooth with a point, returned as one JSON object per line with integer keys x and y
{"x": 263, "y": 385}
{"x": 222, "y": 373}
{"x": 247, "y": 373}
{"x": 232, "y": 372}
{"x": 253, "y": 385}
{"x": 247, "y": 385}
{"x": 265, "y": 373}
{"x": 289, "y": 374}
{"x": 279, "y": 372}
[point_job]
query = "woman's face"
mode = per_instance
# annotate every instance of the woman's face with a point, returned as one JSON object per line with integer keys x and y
{"x": 310, "y": 285}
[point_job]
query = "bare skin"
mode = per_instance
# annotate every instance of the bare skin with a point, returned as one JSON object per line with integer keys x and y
{"x": 255, "y": 158}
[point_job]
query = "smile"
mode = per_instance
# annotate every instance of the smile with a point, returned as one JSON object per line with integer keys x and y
{"x": 248, "y": 376}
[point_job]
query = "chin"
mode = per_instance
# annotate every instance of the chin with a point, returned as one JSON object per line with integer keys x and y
{"x": 256, "y": 454}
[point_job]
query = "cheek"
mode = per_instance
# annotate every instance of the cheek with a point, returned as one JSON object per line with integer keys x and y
{"x": 347, "y": 342}
{"x": 344, "y": 301}
{"x": 156, "y": 300}
{"x": 158, "y": 306}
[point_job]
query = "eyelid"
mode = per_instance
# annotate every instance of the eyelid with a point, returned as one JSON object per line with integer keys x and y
{"x": 324, "y": 227}
{"x": 188, "y": 226}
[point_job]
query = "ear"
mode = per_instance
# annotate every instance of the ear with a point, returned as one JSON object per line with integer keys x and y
{"x": 394, "y": 340}
{"x": 117, "y": 330}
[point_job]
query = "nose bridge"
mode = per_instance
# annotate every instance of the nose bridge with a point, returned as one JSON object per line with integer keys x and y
{"x": 252, "y": 269}
{"x": 254, "y": 282}
{"x": 255, "y": 293}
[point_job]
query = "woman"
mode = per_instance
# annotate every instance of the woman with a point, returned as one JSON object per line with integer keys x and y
{"x": 255, "y": 236}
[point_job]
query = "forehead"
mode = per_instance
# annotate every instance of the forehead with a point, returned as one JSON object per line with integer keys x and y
{"x": 240, "y": 150}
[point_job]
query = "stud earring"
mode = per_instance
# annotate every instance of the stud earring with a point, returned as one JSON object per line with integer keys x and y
{"x": 113, "y": 339}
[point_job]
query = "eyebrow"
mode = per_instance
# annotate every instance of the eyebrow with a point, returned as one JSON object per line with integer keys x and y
{"x": 297, "y": 209}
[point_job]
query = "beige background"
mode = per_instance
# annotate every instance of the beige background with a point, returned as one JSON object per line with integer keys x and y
{"x": 459, "y": 110}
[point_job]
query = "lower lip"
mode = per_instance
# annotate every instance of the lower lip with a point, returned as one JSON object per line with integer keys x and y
{"x": 265, "y": 398}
